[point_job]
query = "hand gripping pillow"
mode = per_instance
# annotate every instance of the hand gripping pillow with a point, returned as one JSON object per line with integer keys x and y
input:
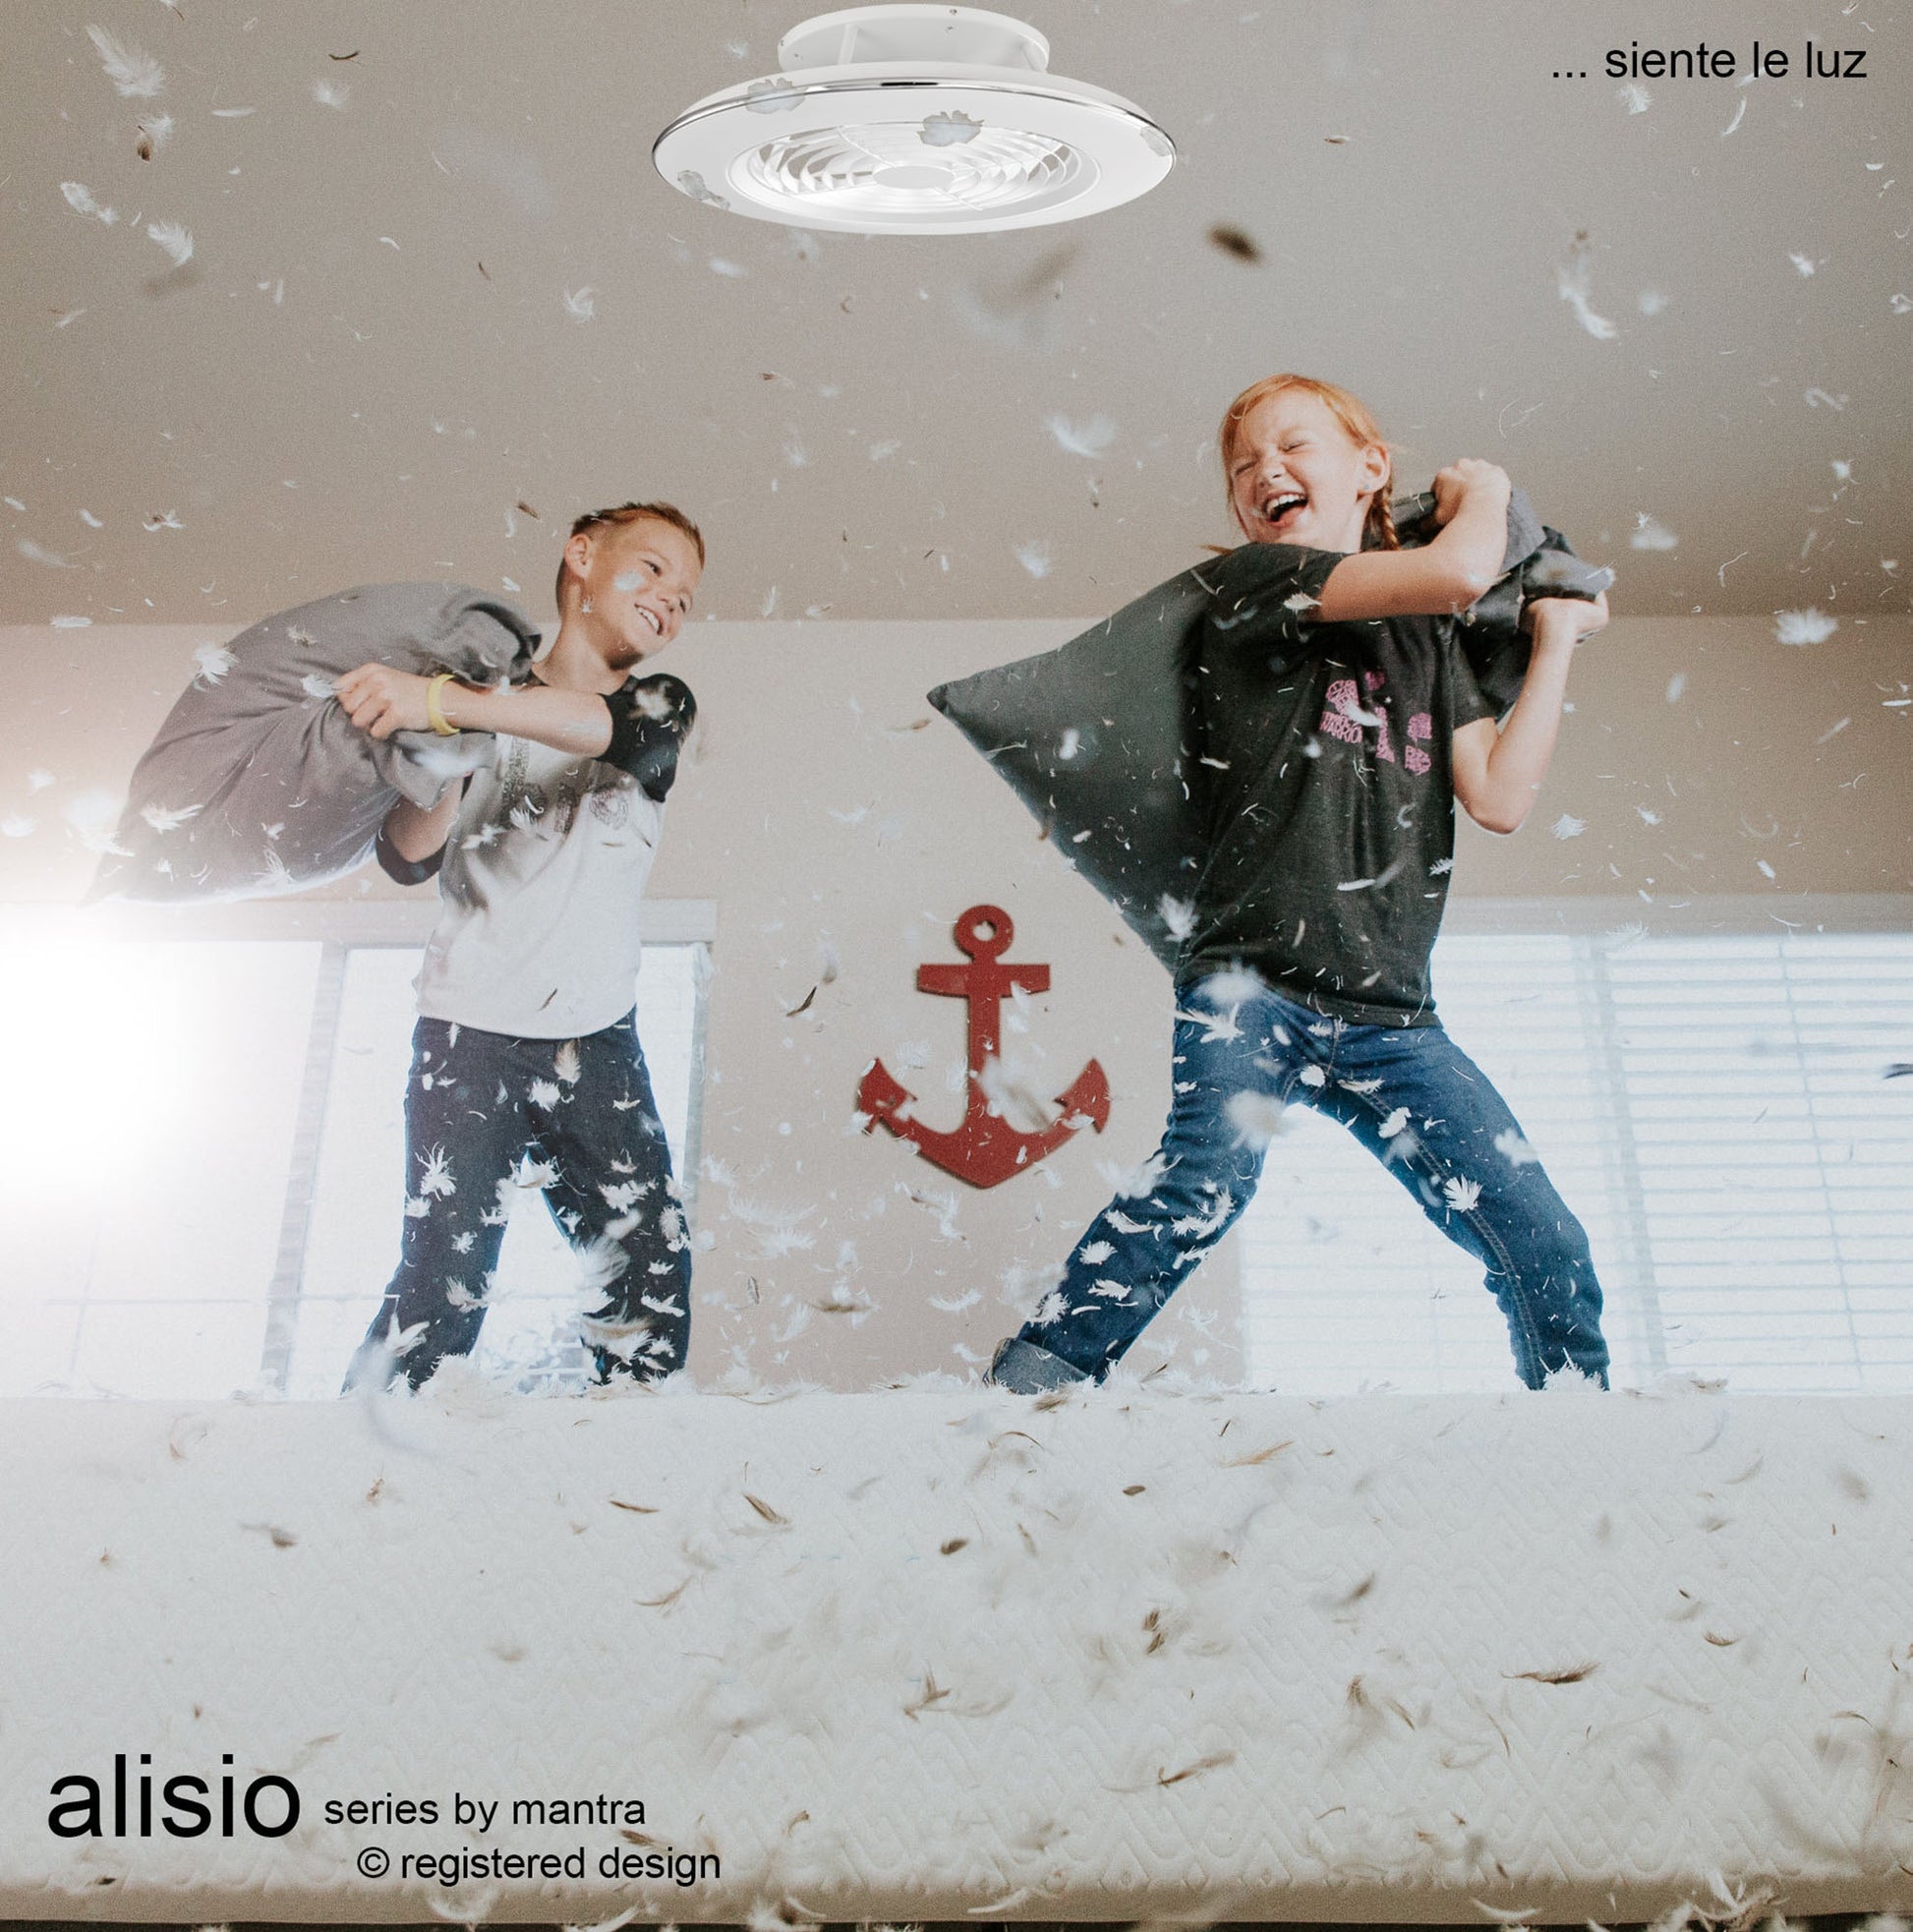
{"x": 1095, "y": 737}
{"x": 1539, "y": 563}
{"x": 259, "y": 784}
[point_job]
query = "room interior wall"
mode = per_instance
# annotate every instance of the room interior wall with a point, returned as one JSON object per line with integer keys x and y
{"x": 840, "y": 828}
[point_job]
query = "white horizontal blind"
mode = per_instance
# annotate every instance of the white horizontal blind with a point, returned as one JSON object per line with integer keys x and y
{"x": 1776, "y": 1160}
{"x": 1713, "y": 1108}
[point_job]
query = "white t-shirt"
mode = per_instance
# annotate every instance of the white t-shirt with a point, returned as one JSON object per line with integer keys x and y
{"x": 544, "y": 875}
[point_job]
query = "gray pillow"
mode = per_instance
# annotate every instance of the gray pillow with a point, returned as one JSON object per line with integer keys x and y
{"x": 1095, "y": 737}
{"x": 1539, "y": 563}
{"x": 258, "y": 782}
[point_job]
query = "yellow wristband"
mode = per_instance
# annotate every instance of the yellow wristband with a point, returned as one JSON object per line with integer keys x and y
{"x": 433, "y": 714}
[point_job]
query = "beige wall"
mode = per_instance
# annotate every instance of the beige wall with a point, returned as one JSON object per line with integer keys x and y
{"x": 839, "y": 825}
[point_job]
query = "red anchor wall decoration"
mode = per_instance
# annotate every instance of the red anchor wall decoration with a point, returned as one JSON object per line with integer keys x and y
{"x": 984, "y": 1149}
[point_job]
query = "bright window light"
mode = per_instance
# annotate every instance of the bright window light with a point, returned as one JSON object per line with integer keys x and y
{"x": 151, "y": 1094}
{"x": 200, "y": 1164}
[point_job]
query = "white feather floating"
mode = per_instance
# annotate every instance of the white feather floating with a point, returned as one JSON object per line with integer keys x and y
{"x": 136, "y": 75}
{"x": 79, "y": 199}
{"x": 1807, "y": 626}
{"x": 1571, "y": 280}
{"x": 1088, "y": 438}
{"x": 175, "y": 240}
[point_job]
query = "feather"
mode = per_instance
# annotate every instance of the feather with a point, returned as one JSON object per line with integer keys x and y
{"x": 167, "y": 818}
{"x": 1571, "y": 280}
{"x": 1178, "y": 916}
{"x": 175, "y": 240}
{"x": 1089, "y": 438}
{"x": 1258, "y": 1118}
{"x": 1807, "y": 626}
{"x": 213, "y": 661}
{"x": 136, "y": 76}
{"x": 79, "y": 199}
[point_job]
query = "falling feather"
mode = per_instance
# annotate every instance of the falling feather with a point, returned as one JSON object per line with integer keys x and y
{"x": 1178, "y": 916}
{"x": 95, "y": 817}
{"x": 175, "y": 240}
{"x": 1571, "y": 279}
{"x": 1256, "y": 1117}
{"x": 213, "y": 662}
{"x": 579, "y": 304}
{"x": 331, "y": 93}
{"x": 1648, "y": 533}
{"x": 1235, "y": 242}
{"x": 952, "y": 130}
{"x": 1090, "y": 438}
{"x": 1807, "y": 626}
{"x": 165, "y": 818}
{"x": 135, "y": 74}
{"x": 79, "y": 199}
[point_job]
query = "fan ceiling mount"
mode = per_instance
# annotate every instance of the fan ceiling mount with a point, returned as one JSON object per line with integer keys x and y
{"x": 913, "y": 120}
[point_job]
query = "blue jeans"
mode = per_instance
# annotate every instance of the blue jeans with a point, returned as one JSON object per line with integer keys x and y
{"x": 475, "y": 1104}
{"x": 1408, "y": 1094}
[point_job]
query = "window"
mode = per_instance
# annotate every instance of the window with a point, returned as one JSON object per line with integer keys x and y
{"x": 1716, "y": 1108}
{"x": 201, "y": 1160}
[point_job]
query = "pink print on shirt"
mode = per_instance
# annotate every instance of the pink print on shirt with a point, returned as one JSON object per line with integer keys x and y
{"x": 1345, "y": 718}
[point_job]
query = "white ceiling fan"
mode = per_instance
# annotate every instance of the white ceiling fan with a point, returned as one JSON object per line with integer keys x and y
{"x": 913, "y": 120}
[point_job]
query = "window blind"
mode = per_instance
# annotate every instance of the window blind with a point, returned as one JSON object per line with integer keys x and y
{"x": 1717, "y": 1110}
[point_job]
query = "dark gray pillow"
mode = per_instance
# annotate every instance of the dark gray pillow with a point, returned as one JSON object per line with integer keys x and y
{"x": 1539, "y": 563}
{"x": 1095, "y": 737}
{"x": 258, "y": 782}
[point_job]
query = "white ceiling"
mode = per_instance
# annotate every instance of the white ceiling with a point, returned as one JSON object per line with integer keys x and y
{"x": 334, "y": 390}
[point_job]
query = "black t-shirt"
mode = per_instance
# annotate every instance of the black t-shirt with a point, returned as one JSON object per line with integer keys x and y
{"x": 651, "y": 717}
{"x": 1325, "y": 758}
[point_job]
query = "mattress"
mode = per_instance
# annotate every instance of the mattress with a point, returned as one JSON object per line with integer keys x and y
{"x": 944, "y": 1652}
